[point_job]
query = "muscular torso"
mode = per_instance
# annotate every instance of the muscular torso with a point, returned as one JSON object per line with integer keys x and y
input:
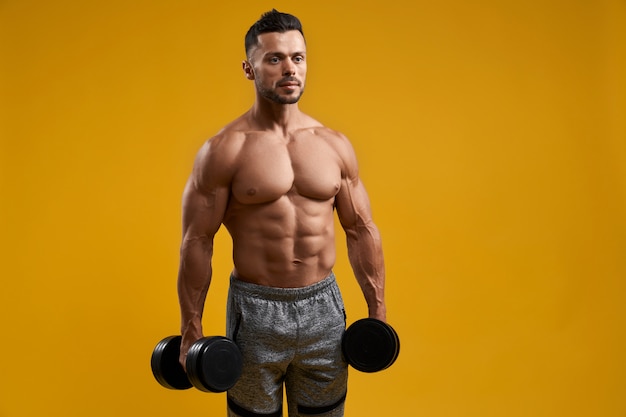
{"x": 280, "y": 210}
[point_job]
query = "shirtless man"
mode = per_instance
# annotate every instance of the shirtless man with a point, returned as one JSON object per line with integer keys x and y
{"x": 274, "y": 178}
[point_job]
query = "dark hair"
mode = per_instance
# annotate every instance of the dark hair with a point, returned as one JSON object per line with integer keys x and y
{"x": 272, "y": 21}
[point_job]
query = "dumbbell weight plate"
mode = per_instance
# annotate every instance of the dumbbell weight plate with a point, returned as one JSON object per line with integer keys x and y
{"x": 166, "y": 368}
{"x": 214, "y": 364}
{"x": 370, "y": 345}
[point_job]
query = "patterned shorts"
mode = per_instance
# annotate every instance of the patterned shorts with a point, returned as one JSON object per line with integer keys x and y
{"x": 290, "y": 337}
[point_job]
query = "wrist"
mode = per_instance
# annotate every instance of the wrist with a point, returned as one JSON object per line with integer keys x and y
{"x": 380, "y": 313}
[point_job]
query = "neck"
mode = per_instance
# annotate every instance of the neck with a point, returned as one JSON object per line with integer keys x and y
{"x": 274, "y": 116}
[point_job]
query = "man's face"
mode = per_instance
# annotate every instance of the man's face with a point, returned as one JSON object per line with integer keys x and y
{"x": 278, "y": 66}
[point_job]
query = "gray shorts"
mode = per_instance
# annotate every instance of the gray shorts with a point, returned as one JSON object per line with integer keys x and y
{"x": 291, "y": 336}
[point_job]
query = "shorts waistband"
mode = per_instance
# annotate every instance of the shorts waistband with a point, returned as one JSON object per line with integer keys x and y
{"x": 279, "y": 293}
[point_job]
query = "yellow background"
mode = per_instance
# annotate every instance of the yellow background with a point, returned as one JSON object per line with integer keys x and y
{"x": 491, "y": 136}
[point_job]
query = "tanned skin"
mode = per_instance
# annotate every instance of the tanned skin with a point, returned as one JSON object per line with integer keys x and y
{"x": 274, "y": 177}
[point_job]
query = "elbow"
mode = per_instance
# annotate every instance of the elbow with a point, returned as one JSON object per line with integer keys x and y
{"x": 191, "y": 243}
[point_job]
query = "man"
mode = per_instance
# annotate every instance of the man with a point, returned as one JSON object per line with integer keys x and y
{"x": 274, "y": 177}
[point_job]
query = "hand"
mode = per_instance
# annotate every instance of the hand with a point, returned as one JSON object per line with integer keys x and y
{"x": 183, "y": 355}
{"x": 182, "y": 359}
{"x": 185, "y": 345}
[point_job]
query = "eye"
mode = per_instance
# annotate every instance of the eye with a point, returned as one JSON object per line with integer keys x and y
{"x": 298, "y": 58}
{"x": 274, "y": 60}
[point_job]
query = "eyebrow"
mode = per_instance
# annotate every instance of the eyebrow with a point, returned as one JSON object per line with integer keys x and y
{"x": 276, "y": 53}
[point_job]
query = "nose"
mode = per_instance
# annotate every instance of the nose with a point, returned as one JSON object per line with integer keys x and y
{"x": 289, "y": 67}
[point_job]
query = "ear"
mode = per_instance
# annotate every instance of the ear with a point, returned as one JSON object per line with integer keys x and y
{"x": 247, "y": 69}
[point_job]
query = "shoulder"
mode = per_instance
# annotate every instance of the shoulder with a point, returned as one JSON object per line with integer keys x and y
{"x": 340, "y": 143}
{"x": 334, "y": 138}
{"x": 225, "y": 144}
{"x": 216, "y": 159}
{"x": 331, "y": 136}
{"x": 219, "y": 150}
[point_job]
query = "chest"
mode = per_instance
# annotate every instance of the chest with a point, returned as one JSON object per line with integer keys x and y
{"x": 269, "y": 168}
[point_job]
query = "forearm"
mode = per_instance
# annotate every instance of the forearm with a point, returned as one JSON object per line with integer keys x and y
{"x": 194, "y": 278}
{"x": 366, "y": 257}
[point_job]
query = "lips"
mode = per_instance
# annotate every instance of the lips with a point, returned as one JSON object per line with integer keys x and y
{"x": 289, "y": 83}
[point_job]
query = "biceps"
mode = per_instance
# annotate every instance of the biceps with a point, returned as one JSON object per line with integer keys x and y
{"x": 353, "y": 206}
{"x": 203, "y": 210}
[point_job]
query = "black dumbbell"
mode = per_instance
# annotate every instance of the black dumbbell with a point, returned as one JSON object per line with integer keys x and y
{"x": 213, "y": 364}
{"x": 370, "y": 345}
